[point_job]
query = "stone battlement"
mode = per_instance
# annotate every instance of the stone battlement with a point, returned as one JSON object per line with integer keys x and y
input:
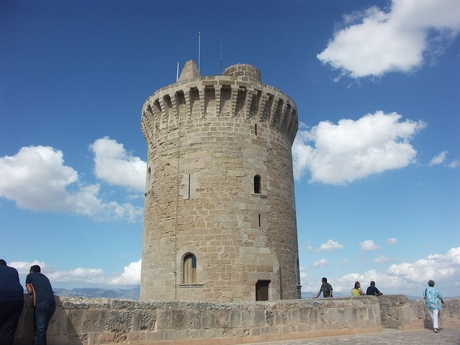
{"x": 86, "y": 321}
{"x": 236, "y": 93}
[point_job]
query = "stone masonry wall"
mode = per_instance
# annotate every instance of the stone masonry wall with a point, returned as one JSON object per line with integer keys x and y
{"x": 84, "y": 321}
{"x": 397, "y": 311}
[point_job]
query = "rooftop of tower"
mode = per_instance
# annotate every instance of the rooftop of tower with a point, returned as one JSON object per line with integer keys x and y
{"x": 190, "y": 70}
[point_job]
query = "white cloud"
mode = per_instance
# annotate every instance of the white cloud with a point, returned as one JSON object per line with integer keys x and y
{"x": 116, "y": 166}
{"x": 330, "y": 245}
{"x": 454, "y": 164}
{"x": 343, "y": 262}
{"x": 382, "y": 280}
{"x": 321, "y": 263}
{"x": 83, "y": 276}
{"x": 439, "y": 159}
{"x": 130, "y": 276}
{"x": 410, "y": 278}
{"x": 392, "y": 241}
{"x": 23, "y": 268}
{"x": 352, "y": 149}
{"x": 436, "y": 265}
{"x": 368, "y": 246}
{"x": 374, "y": 42}
{"x": 37, "y": 179}
{"x": 381, "y": 259}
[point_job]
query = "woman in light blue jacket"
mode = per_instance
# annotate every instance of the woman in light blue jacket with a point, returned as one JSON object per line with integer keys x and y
{"x": 434, "y": 302}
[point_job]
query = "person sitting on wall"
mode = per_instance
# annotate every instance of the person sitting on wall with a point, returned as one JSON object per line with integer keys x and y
{"x": 372, "y": 290}
{"x": 434, "y": 302}
{"x": 325, "y": 288}
{"x": 357, "y": 290}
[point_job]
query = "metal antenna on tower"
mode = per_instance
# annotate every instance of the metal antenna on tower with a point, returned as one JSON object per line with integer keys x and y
{"x": 177, "y": 72}
{"x": 199, "y": 51}
{"x": 221, "y": 55}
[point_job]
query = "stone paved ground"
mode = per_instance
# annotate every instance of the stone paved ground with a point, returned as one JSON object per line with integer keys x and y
{"x": 447, "y": 336}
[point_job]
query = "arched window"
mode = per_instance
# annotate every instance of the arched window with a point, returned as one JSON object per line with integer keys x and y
{"x": 189, "y": 269}
{"x": 257, "y": 186}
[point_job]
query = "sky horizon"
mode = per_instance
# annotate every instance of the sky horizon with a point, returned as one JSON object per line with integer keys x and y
{"x": 376, "y": 157}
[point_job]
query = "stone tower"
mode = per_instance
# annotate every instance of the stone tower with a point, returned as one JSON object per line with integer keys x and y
{"x": 220, "y": 222}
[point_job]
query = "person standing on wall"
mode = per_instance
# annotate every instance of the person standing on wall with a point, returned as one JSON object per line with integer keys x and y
{"x": 39, "y": 286}
{"x": 325, "y": 288}
{"x": 11, "y": 302}
{"x": 434, "y": 302}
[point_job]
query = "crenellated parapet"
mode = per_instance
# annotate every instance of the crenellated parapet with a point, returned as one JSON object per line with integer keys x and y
{"x": 236, "y": 93}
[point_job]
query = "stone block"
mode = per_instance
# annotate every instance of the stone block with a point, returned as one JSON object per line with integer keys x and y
{"x": 119, "y": 321}
{"x": 144, "y": 320}
{"x": 94, "y": 320}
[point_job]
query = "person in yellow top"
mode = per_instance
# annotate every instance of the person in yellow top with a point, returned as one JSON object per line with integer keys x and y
{"x": 357, "y": 290}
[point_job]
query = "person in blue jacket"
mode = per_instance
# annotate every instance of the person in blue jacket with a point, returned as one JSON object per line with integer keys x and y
{"x": 434, "y": 302}
{"x": 11, "y": 302}
{"x": 372, "y": 290}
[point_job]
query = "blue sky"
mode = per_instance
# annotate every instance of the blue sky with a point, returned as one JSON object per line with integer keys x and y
{"x": 377, "y": 155}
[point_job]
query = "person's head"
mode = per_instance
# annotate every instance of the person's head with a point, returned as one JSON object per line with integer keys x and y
{"x": 35, "y": 269}
{"x": 431, "y": 283}
{"x": 372, "y": 283}
{"x": 2, "y": 262}
{"x": 324, "y": 280}
{"x": 357, "y": 285}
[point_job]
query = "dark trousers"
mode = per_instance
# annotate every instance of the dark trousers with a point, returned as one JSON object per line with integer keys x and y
{"x": 10, "y": 311}
{"x": 43, "y": 312}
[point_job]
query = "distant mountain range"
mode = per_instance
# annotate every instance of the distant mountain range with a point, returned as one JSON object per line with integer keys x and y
{"x": 134, "y": 293}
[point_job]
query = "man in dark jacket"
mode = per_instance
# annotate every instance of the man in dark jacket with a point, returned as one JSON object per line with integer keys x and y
{"x": 11, "y": 302}
{"x": 372, "y": 290}
{"x": 39, "y": 286}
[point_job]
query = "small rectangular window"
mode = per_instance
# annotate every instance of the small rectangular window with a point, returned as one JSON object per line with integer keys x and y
{"x": 262, "y": 290}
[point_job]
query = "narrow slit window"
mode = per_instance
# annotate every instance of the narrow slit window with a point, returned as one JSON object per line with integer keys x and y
{"x": 148, "y": 183}
{"x": 188, "y": 191}
{"x": 257, "y": 189}
{"x": 255, "y": 129}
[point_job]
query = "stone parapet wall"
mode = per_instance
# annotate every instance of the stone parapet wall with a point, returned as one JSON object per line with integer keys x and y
{"x": 109, "y": 321}
{"x": 87, "y": 321}
{"x": 398, "y": 312}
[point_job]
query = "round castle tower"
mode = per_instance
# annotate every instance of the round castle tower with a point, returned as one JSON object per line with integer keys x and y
{"x": 219, "y": 219}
